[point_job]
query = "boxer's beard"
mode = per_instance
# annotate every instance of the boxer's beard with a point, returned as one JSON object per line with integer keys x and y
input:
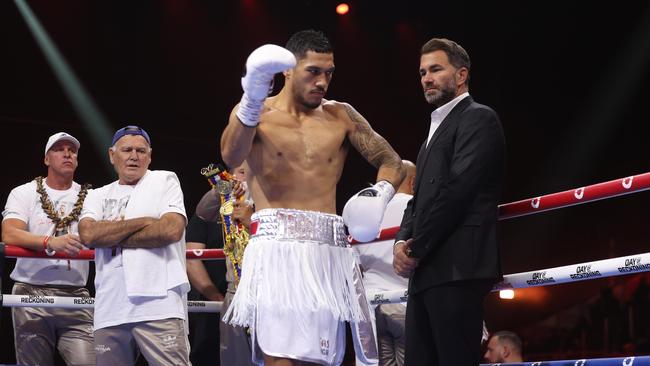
{"x": 308, "y": 104}
{"x": 299, "y": 96}
{"x": 445, "y": 94}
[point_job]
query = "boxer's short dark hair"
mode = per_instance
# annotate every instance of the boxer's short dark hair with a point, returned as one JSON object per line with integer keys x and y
{"x": 308, "y": 40}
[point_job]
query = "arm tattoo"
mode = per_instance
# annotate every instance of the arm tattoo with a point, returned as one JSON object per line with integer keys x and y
{"x": 370, "y": 144}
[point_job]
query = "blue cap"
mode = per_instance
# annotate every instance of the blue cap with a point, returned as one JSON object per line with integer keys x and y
{"x": 130, "y": 130}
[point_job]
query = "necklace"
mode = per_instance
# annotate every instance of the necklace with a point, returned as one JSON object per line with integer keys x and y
{"x": 48, "y": 206}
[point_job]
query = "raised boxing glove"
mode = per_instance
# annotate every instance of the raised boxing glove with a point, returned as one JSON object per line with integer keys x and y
{"x": 364, "y": 212}
{"x": 261, "y": 66}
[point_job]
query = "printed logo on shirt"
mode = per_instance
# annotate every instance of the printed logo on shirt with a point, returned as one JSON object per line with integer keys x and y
{"x": 102, "y": 348}
{"x": 27, "y": 336}
{"x": 62, "y": 208}
{"x": 113, "y": 209}
{"x": 324, "y": 346}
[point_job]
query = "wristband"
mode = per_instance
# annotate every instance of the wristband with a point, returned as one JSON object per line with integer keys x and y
{"x": 46, "y": 245}
{"x": 249, "y": 111}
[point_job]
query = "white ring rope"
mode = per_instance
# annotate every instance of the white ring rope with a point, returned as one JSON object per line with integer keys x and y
{"x": 89, "y": 303}
{"x": 615, "y": 361}
{"x": 551, "y": 276}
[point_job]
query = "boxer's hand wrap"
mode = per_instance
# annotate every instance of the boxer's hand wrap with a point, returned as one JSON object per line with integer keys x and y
{"x": 364, "y": 212}
{"x": 261, "y": 66}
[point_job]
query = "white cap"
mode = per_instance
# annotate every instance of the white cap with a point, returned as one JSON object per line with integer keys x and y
{"x": 58, "y": 137}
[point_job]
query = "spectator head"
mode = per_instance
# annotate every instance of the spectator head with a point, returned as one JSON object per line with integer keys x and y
{"x": 503, "y": 347}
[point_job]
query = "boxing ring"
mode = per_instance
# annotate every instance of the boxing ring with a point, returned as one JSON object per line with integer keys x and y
{"x": 629, "y": 264}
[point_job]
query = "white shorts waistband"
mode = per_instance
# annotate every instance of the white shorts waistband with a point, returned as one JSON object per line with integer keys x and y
{"x": 299, "y": 225}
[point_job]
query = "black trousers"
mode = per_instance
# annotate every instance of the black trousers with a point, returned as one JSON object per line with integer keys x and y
{"x": 444, "y": 324}
{"x": 204, "y": 339}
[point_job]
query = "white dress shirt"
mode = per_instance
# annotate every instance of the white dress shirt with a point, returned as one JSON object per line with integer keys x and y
{"x": 441, "y": 113}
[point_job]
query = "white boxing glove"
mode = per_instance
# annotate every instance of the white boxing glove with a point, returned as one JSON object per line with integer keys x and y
{"x": 364, "y": 212}
{"x": 261, "y": 66}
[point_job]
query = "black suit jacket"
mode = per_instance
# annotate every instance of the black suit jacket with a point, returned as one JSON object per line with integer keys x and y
{"x": 452, "y": 216}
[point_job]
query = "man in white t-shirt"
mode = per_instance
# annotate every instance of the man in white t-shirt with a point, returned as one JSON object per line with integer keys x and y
{"x": 137, "y": 227}
{"x": 376, "y": 261}
{"x": 42, "y": 215}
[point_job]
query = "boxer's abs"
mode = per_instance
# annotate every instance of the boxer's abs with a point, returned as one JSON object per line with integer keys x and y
{"x": 313, "y": 190}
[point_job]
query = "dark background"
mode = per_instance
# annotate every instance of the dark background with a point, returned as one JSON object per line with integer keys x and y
{"x": 570, "y": 82}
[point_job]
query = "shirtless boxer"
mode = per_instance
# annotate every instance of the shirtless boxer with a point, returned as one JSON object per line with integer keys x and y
{"x": 298, "y": 287}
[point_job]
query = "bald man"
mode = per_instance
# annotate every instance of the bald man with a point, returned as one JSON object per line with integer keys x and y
{"x": 376, "y": 259}
{"x": 504, "y": 347}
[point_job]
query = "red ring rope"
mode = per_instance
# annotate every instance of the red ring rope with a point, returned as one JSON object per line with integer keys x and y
{"x": 12, "y": 251}
{"x": 553, "y": 201}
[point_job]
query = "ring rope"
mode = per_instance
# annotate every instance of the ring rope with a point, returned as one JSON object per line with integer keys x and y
{"x": 553, "y": 201}
{"x": 615, "y": 361}
{"x": 12, "y": 251}
{"x": 215, "y": 307}
{"x": 89, "y": 303}
{"x": 551, "y": 276}
{"x": 564, "y": 274}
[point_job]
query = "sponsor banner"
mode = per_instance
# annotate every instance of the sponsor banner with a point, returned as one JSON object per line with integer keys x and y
{"x": 387, "y": 297}
{"x": 577, "y": 272}
{"x": 89, "y": 303}
{"x": 204, "y": 306}
{"x": 48, "y": 301}
{"x": 551, "y": 276}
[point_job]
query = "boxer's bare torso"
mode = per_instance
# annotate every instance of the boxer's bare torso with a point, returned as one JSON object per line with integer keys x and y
{"x": 297, "y": 152}
{"x": 295, "y": 162}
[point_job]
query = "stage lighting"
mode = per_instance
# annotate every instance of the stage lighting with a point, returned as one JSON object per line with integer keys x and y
{"x": 342, "y": 8}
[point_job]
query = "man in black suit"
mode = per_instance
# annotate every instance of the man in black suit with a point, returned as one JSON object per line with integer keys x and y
{"x": 447, "y": 240}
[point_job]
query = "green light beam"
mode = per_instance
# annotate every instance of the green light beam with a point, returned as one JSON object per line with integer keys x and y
{"x": 94, "y": 121}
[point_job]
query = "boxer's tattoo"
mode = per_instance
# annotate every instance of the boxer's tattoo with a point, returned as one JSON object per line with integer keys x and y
{"x": 370, "y": 144}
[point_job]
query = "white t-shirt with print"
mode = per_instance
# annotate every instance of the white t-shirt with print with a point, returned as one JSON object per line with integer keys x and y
{"x": 112, "y": 305}
{"x": 24, "y": 204}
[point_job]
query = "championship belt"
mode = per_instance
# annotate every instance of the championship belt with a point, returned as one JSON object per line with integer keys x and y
{"x": 235, "y": 235}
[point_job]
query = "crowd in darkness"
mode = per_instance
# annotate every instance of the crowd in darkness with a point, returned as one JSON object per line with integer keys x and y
{"x": 614, "y": 323}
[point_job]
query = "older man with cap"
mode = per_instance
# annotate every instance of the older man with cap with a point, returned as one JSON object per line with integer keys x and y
{"x": 137, "y": 227}
{"x": 42, "y": 215}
